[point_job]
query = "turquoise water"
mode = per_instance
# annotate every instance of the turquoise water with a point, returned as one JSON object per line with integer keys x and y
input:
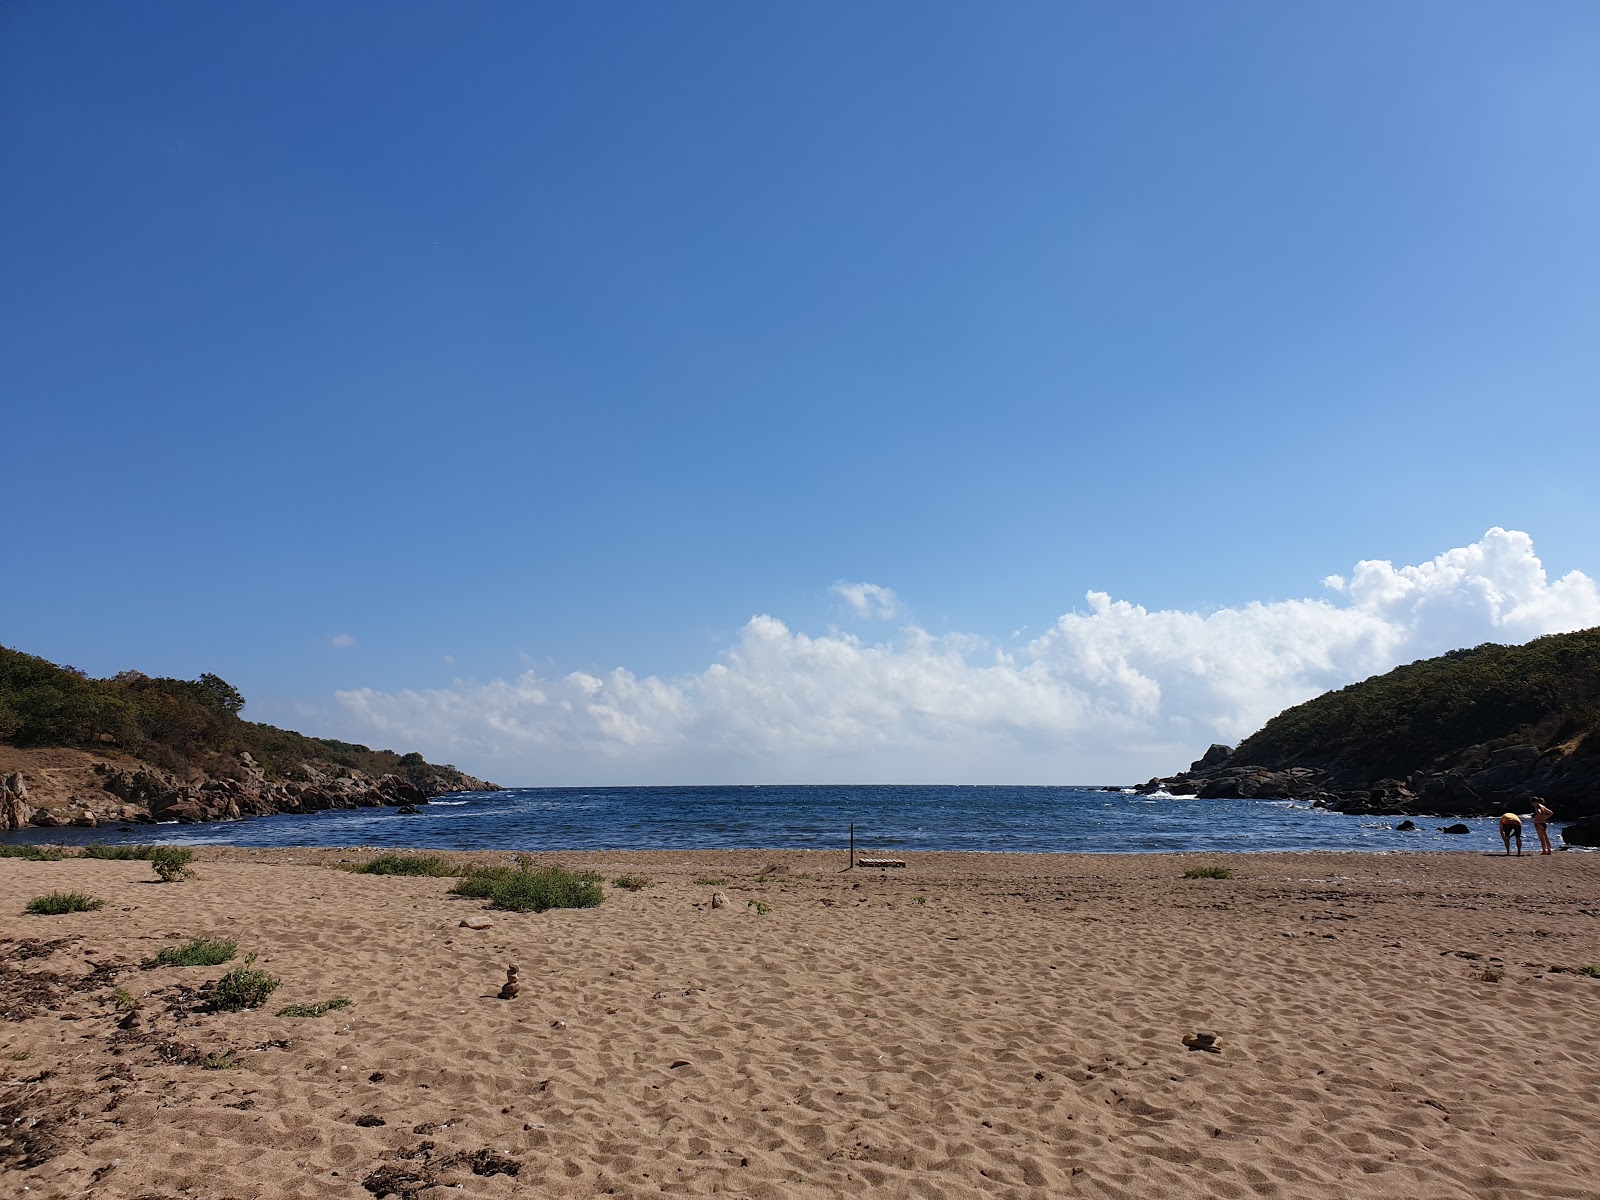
{"x": 898, "y": 818}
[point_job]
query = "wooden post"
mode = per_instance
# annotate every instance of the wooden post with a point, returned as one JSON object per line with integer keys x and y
{"x": 852, "y": 845}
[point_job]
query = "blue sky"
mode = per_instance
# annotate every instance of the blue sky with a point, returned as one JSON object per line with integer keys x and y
{"x": 409, "y": 365}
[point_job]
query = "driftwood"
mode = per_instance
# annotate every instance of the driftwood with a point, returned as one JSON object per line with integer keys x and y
{"x": 880, "y": 862}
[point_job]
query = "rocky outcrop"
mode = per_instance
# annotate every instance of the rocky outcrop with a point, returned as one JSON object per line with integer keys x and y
{"x": 14, "y": 810}
{"x": 1482, "y": 781}
{"x": 96, "y": 790}
{"x": 1585, "y": 832}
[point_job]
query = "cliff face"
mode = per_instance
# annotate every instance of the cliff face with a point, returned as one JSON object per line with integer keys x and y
{"x": 59, "y": 786}
{"x": 1470, "y": 733}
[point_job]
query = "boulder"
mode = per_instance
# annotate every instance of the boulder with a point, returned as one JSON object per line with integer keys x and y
{"x": 1458, "y": 827}
{"x": 1585, "y": 832}
{"x": 1216, "y": 754}
{"x": 14, "y": 810}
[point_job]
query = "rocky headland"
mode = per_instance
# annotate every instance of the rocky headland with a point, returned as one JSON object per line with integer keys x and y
{"x": 1471, "y": 733}
{"x": 76, "y": 751}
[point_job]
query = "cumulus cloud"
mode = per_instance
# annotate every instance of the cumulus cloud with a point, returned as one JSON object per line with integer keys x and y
{"x": 868, "y": 599}
{"x": 342, "y": 641}
{"x": 1111, "y": 692}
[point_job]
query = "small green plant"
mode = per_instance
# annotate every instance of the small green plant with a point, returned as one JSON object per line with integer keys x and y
{"x": 171, "y": 863}
{"x": 709, "y": 881}
{"x": 920, "y": 899}
{"x": 1208, "y": 873}
{"x": 633, "y": 883}
{"x": 57, "y": 903}
{"x": 33, "y": 853}
{"x": 241, "y": 988}
{"x": 122, "y": 853}
{"x": 431, "y": 865}
{"x": 218, "y": 1062}
{"x": 125, "y": 1000}
{"x": 532, "y": 889}
{"x": 1491, "y": 974}
{"x": 197, "y": 952}
{"x": 761, "y": 909}
{"x": 314, "y": 1010}
{"x": 1592, "y": 971}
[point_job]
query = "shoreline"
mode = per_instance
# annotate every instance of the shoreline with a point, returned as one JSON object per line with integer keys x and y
{"x": 976, "y": 1024}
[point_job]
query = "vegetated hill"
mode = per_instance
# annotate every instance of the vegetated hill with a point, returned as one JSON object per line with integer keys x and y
{"x": 1545, "y": 693}
{"x": 189, "y": 739}
{"x": 1472, "y": 731}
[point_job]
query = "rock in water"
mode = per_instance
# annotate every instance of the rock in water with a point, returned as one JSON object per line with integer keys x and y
{"x": 511, "y": 987}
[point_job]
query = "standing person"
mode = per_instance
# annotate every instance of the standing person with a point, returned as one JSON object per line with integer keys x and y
{"x": 1511, "y": 827}
{"x": 1541, "y": 818}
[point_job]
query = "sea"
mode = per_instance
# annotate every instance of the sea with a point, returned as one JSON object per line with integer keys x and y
{"x": 886, "y": 819}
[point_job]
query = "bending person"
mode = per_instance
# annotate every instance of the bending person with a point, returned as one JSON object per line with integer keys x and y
{"x": 1511, "y": 827}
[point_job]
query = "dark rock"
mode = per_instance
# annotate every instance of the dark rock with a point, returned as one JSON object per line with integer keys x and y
{"x": 1458, "y": 827}
{"x": 1584, "y": 832}
{"x": 1215, "y": 756}
{"x": 1405, "y": 826}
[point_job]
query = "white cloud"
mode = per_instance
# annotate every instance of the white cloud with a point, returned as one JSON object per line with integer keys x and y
{"x": 868, "y": 599}
{"x": 342, "y": 641}
{"x": 1112, "y": 693}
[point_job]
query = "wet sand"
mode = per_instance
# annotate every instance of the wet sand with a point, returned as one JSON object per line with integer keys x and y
{"x": 973, "y": 1025}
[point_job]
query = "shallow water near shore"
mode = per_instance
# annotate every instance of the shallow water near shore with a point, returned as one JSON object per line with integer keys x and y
{"x": 886, "y": 818}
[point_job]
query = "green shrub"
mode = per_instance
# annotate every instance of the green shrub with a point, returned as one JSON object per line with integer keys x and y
{"x": 532, "y": 889}
{"x": 125, "y": 1000}
{"x": 1592, "y": 972}
{"x": 241, "y": 988}
{"x": 314, "y": 1010}
{"x": 197, "y": 952}
{"x": 171, "y": 862}
{"x": 710, "y": 881}
{"x": 1208, "y": 873}
{"x": 34, "y": 853}
{"x": 57, "y": 903}
{"x": 408, "y": 864}
{"x": 633, "y": 883}
{"x": 761, "y": 909}
{"x": 101, "y": 850}
{"x": 218, "y": 1062}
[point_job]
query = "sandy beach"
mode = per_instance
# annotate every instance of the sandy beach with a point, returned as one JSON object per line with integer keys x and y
{"x": 972, "y": 1025}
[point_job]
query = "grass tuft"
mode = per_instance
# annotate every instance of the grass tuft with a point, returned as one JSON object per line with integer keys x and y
{"x": 171, "y": 863}
{"x": 197, "y": 952}
{"x": 1208, "y": 873}
{"x": 431, "y": 865}
{"x": 118, "y": 853}
{"x": 57, "y": 903}
{"x": 710, "y": 881}
{"x": 218, "y": 1062}
{"x": 241, "y": 988}
{"x": 33, "y": 853}
{"x": 761, "y": 909}
{"x": 527, "y": 888}
{"x": 1491, "y": 974}
{"x": 1592, "y": 971}
{"x": 633, "y": 883}
{"x": 314, "y": 1010}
